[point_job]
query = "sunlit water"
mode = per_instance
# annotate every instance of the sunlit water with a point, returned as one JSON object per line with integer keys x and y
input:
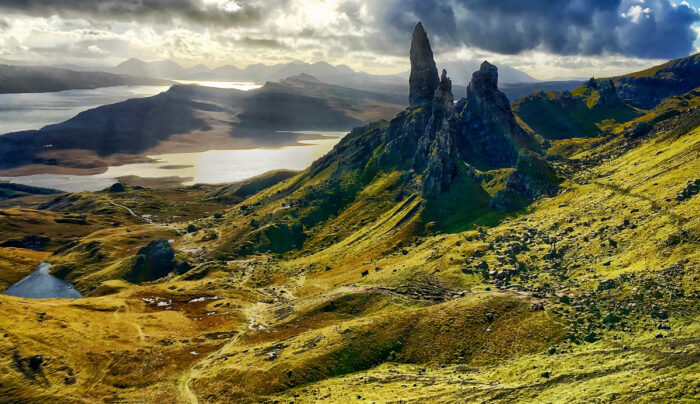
{"x": 232, "y": 85}
{"x": 210, "y": 167}
{"x": 35, "y": 110}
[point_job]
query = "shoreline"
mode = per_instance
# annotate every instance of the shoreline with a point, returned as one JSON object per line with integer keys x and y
{"x": 86, "y": 162}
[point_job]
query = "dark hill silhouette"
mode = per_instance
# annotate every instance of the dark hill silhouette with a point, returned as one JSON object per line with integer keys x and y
{"x": 21, "y": 79}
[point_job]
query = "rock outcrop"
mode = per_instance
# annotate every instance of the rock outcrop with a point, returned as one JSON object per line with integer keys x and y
{"x": 436, "y": 154}
{"x": 154, "y": 261}
{"x": 533, "y": 178}
{"x": 607, "y": 93}
{"x": 424, "y": 75}
{"x": 489, "y": 137}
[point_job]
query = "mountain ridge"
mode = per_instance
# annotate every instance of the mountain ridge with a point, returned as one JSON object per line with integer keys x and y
{"x": 26, "y": 79}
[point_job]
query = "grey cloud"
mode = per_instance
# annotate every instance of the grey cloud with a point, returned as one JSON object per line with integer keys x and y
{"x": 261, "y": 43}
{"x": 133, "y": 10}
{"x": 565, "y": 27}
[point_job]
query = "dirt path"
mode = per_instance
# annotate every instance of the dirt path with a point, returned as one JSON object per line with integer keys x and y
{"x": 131, "y": 212}
{"x": 139, "y": 330}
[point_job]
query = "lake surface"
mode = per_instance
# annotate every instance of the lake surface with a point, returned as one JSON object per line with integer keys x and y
{"x": 35, "y": 110}
{"x": 209, "y": 167}
{"x": 30, "y": 111}
{"x": 40, "y": 284}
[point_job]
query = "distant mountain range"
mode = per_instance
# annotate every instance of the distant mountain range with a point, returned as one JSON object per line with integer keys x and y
{"x": 24, "y": 79}
{"x": 514, "y": 83}
{"x": 339, "y": 74}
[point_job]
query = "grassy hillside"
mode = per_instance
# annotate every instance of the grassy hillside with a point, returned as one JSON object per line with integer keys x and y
{"x": 576, "y": 114}
{"x": 647, "y": 88}
{"x": 587, "y": 295}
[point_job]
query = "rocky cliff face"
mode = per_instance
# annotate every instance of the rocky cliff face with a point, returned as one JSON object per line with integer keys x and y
{"x": 437, "y": 145}
{"x": 647, "y": 88}
{"x": 608, "y": 95}
{"x": 437, "y": 155}
{"x": 489, "y": 136}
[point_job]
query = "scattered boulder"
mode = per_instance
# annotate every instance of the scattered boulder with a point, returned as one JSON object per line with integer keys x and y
{"x": 117, "y": 187}
{"x": 689, "y": 191}
{"x": 591, "y": 337}
{"x": 36, "y": 361}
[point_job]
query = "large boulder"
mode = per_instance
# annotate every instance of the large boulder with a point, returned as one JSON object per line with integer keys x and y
{"x": 152, "y": 262}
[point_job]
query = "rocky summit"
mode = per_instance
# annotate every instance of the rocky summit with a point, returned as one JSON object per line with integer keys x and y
{"x": 444, "y": 139}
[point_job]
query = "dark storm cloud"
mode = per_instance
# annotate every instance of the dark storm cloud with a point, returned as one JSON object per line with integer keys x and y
{"x": 261, "y": 43}
{"x": 196, "y": 11}
{"x": 648, "y": 29}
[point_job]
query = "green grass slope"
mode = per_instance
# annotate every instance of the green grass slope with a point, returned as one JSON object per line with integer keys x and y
{"x": 576, "y": 114}
{"x": 590, "y": 294}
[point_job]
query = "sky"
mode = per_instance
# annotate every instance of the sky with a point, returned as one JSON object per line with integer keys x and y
{"x": 548, "y": 39}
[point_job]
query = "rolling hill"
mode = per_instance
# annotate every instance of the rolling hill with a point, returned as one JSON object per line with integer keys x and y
{"x": 647, "y": 88}
{"x": 197, "y": 118}
{"x": 586, "y": 111}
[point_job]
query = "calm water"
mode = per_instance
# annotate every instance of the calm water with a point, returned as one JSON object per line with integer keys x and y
{"x": 34, "y": 111}
{"x": 210, "y": 167}
{"x": 236, "y": 85}
{"x": 40, "y": 284}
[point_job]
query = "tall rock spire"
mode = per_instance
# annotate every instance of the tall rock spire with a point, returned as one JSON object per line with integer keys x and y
{"x": 424, "y": 75}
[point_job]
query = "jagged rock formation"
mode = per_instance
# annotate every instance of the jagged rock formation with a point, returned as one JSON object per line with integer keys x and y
{"x": 424, "y": 75}
{"x": 435, "y": 140}
{"x": 436, "y": 152}
{"x": 489, "y": 136}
